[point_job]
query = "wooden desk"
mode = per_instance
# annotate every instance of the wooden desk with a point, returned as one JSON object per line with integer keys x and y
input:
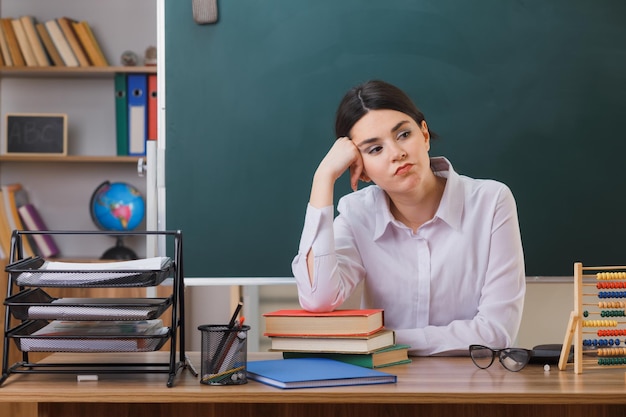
{"x": 428, "y": 387}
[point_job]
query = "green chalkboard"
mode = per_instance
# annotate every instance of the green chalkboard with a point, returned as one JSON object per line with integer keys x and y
{"x": 530, "y": 92}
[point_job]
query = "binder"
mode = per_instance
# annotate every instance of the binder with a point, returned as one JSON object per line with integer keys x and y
{"x": 121, "y": 114}
{"x": 137, "y": 85}
{"x": 152, "y": 107}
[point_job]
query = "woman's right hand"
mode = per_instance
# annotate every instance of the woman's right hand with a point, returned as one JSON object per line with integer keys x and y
{"x": 341, "y": 156}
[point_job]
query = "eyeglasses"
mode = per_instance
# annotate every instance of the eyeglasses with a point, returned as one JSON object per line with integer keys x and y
{"x": 513, "y": 359}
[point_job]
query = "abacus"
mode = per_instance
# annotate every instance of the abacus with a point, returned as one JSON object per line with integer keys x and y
{"x": 598, "y": 320}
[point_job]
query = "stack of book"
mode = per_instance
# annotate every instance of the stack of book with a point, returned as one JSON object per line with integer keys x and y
{"x": 18, "y": 213}
{"x": 62, "y": 42}
{"x": 356, "y": 336}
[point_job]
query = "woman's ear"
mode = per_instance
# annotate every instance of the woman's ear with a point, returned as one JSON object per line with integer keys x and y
{"x": 426, "y": 133}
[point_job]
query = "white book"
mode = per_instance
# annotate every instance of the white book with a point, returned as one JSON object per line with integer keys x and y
{"x": 61, "y": 43}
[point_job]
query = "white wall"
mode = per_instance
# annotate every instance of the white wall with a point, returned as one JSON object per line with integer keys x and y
{"x": 547, "y": 308}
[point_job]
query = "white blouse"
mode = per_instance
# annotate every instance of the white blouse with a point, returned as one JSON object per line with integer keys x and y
{"x": 458, "y": 280}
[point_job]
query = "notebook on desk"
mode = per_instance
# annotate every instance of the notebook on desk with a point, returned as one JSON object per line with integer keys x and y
{"x": 314, "y": 372}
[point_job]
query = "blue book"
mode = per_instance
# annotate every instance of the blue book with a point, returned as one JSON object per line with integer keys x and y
{"x": 314, "y": 372}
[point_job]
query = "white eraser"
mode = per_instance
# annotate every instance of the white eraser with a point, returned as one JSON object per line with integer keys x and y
{"x": 85, "y": 378}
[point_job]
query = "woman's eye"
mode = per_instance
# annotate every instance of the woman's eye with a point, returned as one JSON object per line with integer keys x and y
{"x": 374, "y": 150}
{"x": 404, "y": 134}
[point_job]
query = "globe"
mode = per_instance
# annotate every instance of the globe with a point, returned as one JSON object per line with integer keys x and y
{"x": 117, "y": 206}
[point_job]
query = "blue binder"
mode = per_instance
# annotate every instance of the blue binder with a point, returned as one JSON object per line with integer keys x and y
{"x": 137, "y": 96}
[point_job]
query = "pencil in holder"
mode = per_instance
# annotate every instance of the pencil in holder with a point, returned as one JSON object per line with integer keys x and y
{"x": 224, "y": 354}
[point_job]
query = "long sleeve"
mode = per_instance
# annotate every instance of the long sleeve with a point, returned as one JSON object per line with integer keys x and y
{"x": 333, "y": 280}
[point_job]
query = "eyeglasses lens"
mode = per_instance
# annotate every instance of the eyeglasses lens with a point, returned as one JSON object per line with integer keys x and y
{"x": 514, "y": 359}
{"x": 482, "y": 356}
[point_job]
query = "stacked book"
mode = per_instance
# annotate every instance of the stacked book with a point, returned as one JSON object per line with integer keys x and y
{"x": 356, "y": 336}
{"x": 62, "y": 42}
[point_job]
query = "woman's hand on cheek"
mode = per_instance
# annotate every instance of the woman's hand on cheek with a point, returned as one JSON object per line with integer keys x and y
{"x": 342, "y": 156}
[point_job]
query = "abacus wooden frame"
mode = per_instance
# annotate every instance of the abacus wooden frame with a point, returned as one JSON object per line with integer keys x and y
{"x": 574, "y": 331}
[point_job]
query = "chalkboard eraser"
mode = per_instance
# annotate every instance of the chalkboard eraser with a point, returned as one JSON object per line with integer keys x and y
{"x": 87, "y": 378}
{"x": 204, "y": 11}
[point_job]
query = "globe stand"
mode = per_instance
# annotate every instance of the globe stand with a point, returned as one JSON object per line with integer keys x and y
{"x": 119, "y": 252}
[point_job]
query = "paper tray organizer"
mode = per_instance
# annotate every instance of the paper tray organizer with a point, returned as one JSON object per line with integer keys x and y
{"x": 29, "y": 272}
{"x": 133, "y": 325}
{"x": 34, "y": 304}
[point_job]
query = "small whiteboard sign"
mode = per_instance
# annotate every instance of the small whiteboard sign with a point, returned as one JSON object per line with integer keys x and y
{"x": 36, "y": 134}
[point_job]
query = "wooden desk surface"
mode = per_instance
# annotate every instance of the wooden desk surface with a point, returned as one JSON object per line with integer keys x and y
{"x": 425, "y": 381}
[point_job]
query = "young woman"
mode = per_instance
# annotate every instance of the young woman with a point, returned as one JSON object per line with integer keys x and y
{"x": 441, "y": 253}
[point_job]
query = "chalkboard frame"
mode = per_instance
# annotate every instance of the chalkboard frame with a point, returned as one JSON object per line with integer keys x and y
{"x": 57, "y": 148}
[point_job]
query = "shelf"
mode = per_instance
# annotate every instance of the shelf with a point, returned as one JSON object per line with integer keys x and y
{"x": 72, "y": 72}
{"x": 71, "y": 158}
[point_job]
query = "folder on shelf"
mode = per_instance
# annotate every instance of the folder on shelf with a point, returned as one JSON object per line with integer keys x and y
{"x": 137, "y": 113}
{"x": 28, "y": 22}
{"x": 121, "y": 114}
{"x": 61, "y": 43}
{"x": 14, "y": 46}
{"x": 23, "y": 42}
{"x": 152, "y": 107}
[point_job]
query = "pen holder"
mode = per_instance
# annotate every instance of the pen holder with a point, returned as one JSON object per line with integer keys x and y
{"x": 224, "y": 354}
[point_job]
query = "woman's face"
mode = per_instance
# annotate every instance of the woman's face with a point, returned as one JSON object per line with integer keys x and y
{"x": 394, "y": 148}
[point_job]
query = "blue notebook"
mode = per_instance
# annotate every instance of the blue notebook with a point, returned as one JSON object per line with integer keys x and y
{"x": 314, "y": 372}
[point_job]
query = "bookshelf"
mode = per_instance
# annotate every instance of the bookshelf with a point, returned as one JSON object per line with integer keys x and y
{"x": 61, "y": 186}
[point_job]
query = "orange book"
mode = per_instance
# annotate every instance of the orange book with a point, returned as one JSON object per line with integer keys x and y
{"x": 358, "y": 322}
{"x": 5, "y": 230}
{"x": 4, "y": 48}
{"x": 99, "y": 58}
{"x": 66, "y": 27}
{"x": 14, "y": 46}
{"x": 13, "y": 195}
{"x": 381, "y": 339}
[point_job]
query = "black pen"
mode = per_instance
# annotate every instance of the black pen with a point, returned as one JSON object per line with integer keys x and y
{"x": 233, "y": 319}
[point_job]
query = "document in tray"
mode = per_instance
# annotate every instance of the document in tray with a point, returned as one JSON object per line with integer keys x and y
{"x": 88, "y": 308}
{"x": 84, "y": 336}
{"x": 59, "y": 273}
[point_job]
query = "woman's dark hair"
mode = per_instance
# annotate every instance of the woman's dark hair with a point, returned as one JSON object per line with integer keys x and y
{"x": 373, "y": 95}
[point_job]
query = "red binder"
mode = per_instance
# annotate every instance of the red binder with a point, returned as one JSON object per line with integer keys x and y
{"x": 152, "y": 107}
